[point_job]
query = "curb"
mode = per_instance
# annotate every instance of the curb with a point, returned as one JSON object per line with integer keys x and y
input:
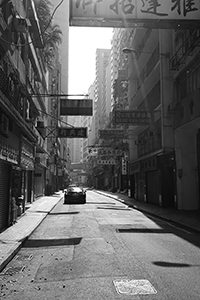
{"x": 176, "y": 223}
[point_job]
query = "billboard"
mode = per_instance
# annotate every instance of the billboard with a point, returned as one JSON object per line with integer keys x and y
{"x": 126, "y": 13}
{"x": 73, "y": 132}
{"x": 132, "y": 117}
{"x": 75, "y": 107}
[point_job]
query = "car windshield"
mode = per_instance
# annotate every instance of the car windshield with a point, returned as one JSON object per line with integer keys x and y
{"x": 74, "y": 189}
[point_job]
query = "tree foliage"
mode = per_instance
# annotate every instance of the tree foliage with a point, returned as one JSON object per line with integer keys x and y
{"x": 51, "y": 33}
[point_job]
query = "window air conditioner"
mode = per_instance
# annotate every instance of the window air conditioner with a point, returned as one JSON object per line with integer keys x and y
{"x": 4, "y": 124}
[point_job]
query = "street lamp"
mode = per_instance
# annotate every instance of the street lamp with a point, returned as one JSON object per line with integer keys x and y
{"x": 127, "y": 50}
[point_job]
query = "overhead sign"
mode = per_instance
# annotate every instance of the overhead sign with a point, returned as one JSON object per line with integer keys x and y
{"x": 75, "y": 132}
{"x": 124, "y": 166}
{"x": 69, "y": 107}
{"x": 106, "y": 162}
{"x": 109, "y": 152}
{"x": 132, "y": 117}
{"x": 112, "y": 133}
{"x": 128, "y": 12}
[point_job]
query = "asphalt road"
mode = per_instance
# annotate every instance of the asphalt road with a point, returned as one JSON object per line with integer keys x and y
{"x": 104, "y": 250}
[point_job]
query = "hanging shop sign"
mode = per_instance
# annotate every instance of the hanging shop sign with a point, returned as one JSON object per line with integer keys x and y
{"x": 112, "y": 133}
{"x": 132, "y": 117}
{"x": 76, "y": 107}
{"x": 75, "y": 132}
{"x": 109, "y": 152}
{"x": 106, "y": 162}
{"x": 157, "y": 14}
{"x": 124, "y": 166}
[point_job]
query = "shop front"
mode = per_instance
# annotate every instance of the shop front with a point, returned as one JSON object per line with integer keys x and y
{"x": 27, "y": 170}
{"x": 40, "y": 175}
{"x": 9, "y": 157}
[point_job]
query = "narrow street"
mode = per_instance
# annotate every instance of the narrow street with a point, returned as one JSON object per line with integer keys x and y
{"x": 104, "y": 250}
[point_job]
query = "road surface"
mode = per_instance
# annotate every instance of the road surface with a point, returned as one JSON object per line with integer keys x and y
{"x": 104, "y": 250}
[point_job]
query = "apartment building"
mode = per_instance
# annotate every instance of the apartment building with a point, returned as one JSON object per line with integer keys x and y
{"x": 185, "y": 111}
{"x": 101, "y": 89}
{"x": 23, "y": 80}
{"x": 163, "y": 74}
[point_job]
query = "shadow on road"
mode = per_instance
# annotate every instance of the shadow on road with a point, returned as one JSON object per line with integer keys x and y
{"x": 51, "y": 242}
{"x": 64, "y": 213}
{"x": 170, "y": 264}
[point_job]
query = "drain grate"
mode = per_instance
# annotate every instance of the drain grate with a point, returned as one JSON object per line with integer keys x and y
{"x": 134, "y": 287}
{"x": 13, "y": 270}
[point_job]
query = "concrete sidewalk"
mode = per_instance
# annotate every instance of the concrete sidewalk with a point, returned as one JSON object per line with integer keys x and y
{"x": 12, "y": 238}
{"x": 188, "y": 220}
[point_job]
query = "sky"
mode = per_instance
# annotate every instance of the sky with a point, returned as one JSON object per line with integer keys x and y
{"x": 83, "y": 43}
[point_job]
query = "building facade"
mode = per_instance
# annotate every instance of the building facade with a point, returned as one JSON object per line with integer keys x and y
{"x": 22, "y": 72}
{"x": 30, "y": 150}
{"x": 163, "y": 75}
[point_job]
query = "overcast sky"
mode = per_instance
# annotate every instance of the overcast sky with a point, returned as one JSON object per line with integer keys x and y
{"x": 83, "y": 43}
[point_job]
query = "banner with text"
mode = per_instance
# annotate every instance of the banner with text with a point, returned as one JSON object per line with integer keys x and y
{"x": 112, "y": 133}
{"x": 132, "y": 117}
{"x": 157, "y": 14}
{"x": 74, "y": 132}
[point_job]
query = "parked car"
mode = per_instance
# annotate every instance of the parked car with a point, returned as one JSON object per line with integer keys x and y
{"x": 74, "y": 195}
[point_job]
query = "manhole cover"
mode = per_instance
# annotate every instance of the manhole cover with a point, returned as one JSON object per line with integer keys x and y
{"x": 134, "y": 287}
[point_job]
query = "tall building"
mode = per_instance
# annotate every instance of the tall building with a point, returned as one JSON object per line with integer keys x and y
{"x": 61, "y": 17}
{"x": 101, "y": 89}
{"x": 88, "y": 121}
{"x": 185, "y": 112}
{"x": 163, "y": 81}
{"x": 23, "y": 108}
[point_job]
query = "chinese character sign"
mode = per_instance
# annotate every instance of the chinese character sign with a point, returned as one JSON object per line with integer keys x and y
{"x": 109, "y": 152}
{"x": 136, "y": 9}
{"x": 124, "y": 166}
{"x": 74, "y": 132}
{"x": 112, "y": 133}
{"x": 133, "y": 117}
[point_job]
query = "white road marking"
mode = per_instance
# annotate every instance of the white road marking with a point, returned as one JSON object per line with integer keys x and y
{"x": 134, "y": 287}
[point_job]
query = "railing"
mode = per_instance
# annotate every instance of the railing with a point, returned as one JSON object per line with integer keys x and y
{"x": 10, "y": 85}
{"x": 185, "y": 50}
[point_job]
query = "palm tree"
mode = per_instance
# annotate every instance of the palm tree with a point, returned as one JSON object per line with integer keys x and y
{"x": 51, "y": 33}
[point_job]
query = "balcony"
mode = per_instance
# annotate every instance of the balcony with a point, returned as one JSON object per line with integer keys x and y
{"x": 185, "y": 50}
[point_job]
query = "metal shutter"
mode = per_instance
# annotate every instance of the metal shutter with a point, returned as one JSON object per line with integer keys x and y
{"x": 4, "y": 194}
